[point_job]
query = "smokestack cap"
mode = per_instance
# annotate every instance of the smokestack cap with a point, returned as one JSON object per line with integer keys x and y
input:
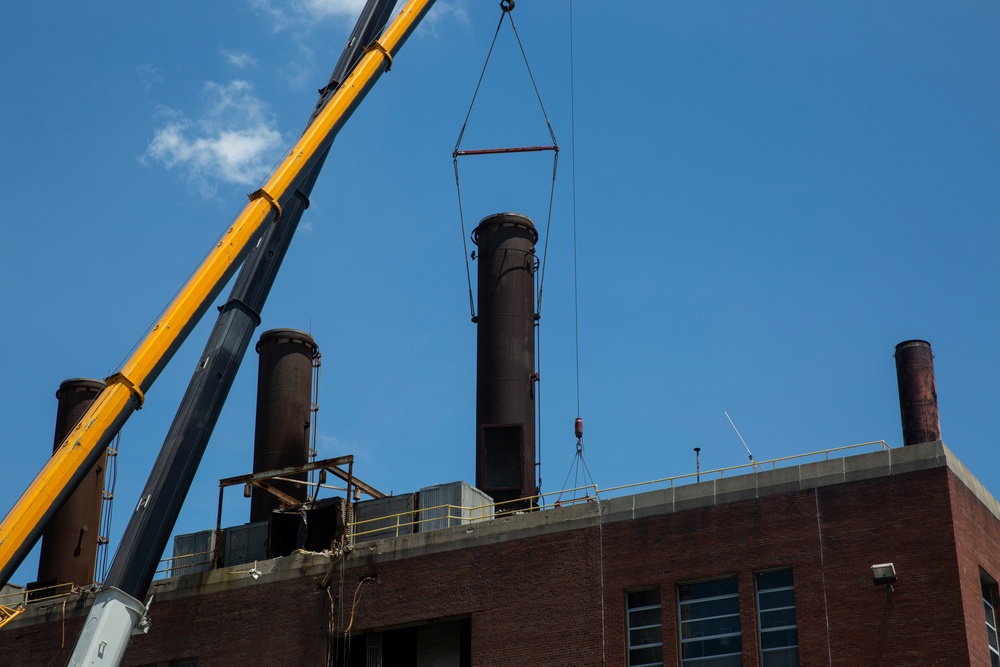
{"x": 912, "y": 343}
{"x": 79, "y": 384}
{"x": 291, "y": 335}
{"x": 513, "y": 219}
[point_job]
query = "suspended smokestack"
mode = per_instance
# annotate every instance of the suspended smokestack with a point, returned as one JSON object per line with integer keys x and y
{"x": 505, "y": 382}
{"x": 917, "y": 394}
{"x": 284, "y": 400}
{"x": 69, "y": 544}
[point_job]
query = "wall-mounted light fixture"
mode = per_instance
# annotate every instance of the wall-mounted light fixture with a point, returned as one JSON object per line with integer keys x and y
{"x": 884, "y": 574}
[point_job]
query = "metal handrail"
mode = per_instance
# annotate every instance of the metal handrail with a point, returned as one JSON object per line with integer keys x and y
{"x": 825, "y": 453}
{"x": 413, "y": 519}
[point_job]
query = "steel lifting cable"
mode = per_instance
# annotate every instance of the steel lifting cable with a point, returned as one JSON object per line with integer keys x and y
{"x": 505, "y": 6}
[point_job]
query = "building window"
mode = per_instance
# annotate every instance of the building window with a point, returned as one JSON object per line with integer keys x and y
{"x": 991, "y": 623}
{"x": 709, "y": 614}
{"x": 779, "y": 635}
{"x": 645, "y": 632}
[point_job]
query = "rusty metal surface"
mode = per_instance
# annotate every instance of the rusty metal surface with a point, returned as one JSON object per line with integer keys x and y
{"x": 918, "y": 405}
{"x": 266, "y": 482}
{"x": 494, "y": 151}
{"x": 505, "y": 397}
{"x": 328, "y": 464}
{"x": 284, "y": 398}
{"x": 69, "y": 544}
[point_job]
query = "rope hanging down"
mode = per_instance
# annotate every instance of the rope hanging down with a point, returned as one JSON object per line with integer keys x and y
{"x": 506, "y": 6}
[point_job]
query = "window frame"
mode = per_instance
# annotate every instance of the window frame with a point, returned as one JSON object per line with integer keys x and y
{"x": 681, "y": 621}
{"x": 761, "y": 630}
{"x": 989, "y": 588}
{"x": 629, "y": 628}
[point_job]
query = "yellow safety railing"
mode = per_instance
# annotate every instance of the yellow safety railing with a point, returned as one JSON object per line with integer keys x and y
{"x": 171, "y": 565}
{"x": 14, "y": 603}
{"x": 7, "y": 614}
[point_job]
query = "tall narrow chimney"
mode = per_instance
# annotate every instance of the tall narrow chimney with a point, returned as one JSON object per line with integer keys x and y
{"x": 69, "y": 544}
{"x": 505, "y": 382}
{"x": 917, "y": 394}
{"x": 284, "y": 401}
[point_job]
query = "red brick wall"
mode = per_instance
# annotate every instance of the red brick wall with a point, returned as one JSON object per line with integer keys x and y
{"x": 979, "y": 547}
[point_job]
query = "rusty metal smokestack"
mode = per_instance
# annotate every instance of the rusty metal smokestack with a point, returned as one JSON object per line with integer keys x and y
{"x": 69, "y": 544}
{"x": 917, "y": 394}
{"x": 505, "y": 381}
{"x": 284, "y": 400}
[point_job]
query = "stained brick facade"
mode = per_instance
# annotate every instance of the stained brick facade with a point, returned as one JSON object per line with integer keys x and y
{"x": 548, "y": 588}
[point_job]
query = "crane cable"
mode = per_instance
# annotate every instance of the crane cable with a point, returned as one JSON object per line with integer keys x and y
{"x": 579, "y": 464}
{"x": 505, "y": 6}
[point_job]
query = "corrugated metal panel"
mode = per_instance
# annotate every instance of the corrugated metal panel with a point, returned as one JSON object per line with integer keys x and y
{"x": 193, "y": 553}
{"x": 380, "y": 518}
{"x": 454, "y": 504}
{"x": 246, "y": 543}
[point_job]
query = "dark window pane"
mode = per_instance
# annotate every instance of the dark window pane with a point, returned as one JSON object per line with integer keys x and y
{"x": 708, "y": 589}
{"x": 779, "y": 579}
{"x": 645, "y": 656}
{"x": 645, "y": 636}
{"x": 772, "y": 599}
{"x": 722, "y": 607}
{"x": 788, "y": 657}
{"x": 647, "y": 598}
{"x": 716, "y": 626}
{"x": 779, "y": 638}
{"x": 711, "y": 647}
{"x": 638, "y": 619}
{"x": 777, "y": 619}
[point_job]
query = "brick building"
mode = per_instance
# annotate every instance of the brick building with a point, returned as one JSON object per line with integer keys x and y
{"x": 769, "y": 568}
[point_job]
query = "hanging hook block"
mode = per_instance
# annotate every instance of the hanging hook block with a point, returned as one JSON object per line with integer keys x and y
{"x": 506, "y": 5}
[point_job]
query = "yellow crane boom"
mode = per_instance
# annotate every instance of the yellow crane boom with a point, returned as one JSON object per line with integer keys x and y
{"x": 126, "y": 389}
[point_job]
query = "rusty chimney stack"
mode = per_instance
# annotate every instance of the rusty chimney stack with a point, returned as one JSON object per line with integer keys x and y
{"x": 69, "y": 544}
{"x": 284, "y": 403}
{"x": 505, "y": 380}
{"x": 917, "y": 395}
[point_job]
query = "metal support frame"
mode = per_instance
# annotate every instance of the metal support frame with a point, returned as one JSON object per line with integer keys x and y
{"x": 260, "y": 480}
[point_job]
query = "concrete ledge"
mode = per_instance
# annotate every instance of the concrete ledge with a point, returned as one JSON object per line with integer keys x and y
{"x": 731, "y": 489}
{"x": 917, "y": 457}
{"x": 690, "y": 496}
{"x": 822, "y": 473}
{"x": 866, "y": 466}
{"x": 779, "y": 480}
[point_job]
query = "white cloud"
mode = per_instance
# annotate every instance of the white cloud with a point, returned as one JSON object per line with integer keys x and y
{"x": 322, "y": 8}
{"x": 231, "y": 143}
{"x": 303, "y": 13}
{"x": 149, "y": 76}
{"x": 240, "y": 59}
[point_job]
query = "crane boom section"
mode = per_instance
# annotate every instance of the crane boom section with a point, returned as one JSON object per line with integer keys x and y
{"x": 24, "y": 524}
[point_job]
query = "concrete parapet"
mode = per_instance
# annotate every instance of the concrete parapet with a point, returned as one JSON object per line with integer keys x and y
{"x": 690, "y": 496}
{"x": 821, "y": 473}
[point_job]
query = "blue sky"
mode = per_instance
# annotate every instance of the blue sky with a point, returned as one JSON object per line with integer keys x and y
{"x": 769, "y": 197}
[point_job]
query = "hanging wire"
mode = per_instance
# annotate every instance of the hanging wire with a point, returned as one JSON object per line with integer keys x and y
{"x": 579, "y": 464}
{"x": 454, "y": 159}
{"x": 506, "y": 8}
{"x": 572, "y": 151}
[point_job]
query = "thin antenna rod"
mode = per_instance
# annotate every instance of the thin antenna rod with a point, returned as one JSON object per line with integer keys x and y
{"x": 752, "y": 459}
